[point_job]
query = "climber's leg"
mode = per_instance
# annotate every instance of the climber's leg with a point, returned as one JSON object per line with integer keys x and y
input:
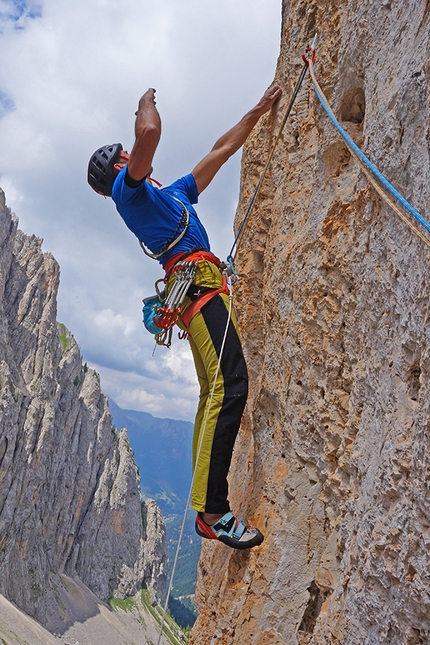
{"x": 218, "y": 420}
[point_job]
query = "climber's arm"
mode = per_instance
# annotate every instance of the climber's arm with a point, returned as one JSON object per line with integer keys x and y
{"x": 147, "y": 133}
{"x": 230, "y": 142}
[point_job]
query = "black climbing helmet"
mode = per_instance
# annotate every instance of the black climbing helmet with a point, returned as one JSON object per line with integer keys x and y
{"x": 100, "y": 168}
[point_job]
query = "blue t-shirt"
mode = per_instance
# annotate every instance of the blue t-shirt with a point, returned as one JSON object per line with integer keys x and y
{"x": 153, "y": 214}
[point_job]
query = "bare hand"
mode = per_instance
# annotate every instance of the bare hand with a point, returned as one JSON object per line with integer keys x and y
{"x": 269, "y": 97}
{"x": 148, "y": 96}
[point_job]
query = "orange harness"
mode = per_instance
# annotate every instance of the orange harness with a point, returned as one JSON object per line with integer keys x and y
{"x": 196, "y": 305}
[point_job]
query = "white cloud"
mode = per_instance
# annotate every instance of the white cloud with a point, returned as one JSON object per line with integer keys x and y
{"x": 71, "y": 75}
{"x": 15, "y": 14}
{"x": 179, "y": 362}
{"x": 161, "y": 391}
{"x": 110, "y": 324}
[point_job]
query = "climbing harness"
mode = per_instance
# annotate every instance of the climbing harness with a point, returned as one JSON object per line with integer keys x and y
{"x": 371, "y": 172}
{"x": 199, "y": 449}
{"x": 184, "y": 275}
{"x": 162, "y": 311}
{"x": 169, "y": 313}
{"x": 311, "y": 51}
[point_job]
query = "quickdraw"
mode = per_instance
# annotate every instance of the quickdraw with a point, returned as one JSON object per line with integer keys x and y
{"x": 184, "y": 275}
{"x": 168, "y": 313}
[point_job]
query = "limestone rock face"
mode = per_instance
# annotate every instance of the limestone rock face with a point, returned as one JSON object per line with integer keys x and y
{"x": 333, "y": 460}
{"x": 69, "y": 487}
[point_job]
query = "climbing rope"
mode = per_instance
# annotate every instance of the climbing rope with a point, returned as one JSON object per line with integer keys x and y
{"x": 371, "y": 172}
{"x": 199, "y": 449}
{"x": 312, "y": 52}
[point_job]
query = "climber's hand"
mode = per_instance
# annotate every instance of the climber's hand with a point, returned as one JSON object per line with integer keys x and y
{"x": 270, "y": 96}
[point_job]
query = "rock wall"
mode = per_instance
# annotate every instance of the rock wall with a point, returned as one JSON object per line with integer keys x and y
{"x": 69, "y": 487}
{"x": 333, "y": 457}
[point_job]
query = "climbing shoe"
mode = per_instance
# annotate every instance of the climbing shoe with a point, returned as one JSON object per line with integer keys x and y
{"x": 230, "y": 531}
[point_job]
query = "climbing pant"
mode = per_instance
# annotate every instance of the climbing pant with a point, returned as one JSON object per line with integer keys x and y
{"x": 224, "y": 412}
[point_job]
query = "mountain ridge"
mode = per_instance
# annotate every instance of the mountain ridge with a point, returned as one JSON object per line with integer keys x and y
{"x": 70, "y": 502}
{"x": 162, "y": 450}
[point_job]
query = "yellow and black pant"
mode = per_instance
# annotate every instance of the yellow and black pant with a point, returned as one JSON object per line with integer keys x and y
{"x": 217, "y": 419}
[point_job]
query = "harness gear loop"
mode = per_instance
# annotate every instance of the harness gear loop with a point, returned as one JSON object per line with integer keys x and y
{"x": 168, "y": 314}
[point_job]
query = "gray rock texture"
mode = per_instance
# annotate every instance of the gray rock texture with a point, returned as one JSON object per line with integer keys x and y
{"x": 83, "y": 619}
{"x": 333, "y": 458}
{"x": 69, "y": 488}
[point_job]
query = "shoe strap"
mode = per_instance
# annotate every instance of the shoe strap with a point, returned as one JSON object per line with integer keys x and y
{"x": 226, "y": 523}
{"x": 230, "y": 525}
{"x": 240, "y": 529}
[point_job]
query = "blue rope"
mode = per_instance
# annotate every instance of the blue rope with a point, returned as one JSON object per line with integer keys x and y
{"x": 366, "y": 161}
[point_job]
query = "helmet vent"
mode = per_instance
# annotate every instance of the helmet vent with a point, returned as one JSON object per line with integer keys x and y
{"x": 101, "y": 174}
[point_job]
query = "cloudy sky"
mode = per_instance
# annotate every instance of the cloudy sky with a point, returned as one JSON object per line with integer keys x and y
{"x": 71, "y": 74}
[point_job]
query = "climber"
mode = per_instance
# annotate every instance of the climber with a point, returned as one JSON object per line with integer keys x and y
{"x": 157, "y": 218}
